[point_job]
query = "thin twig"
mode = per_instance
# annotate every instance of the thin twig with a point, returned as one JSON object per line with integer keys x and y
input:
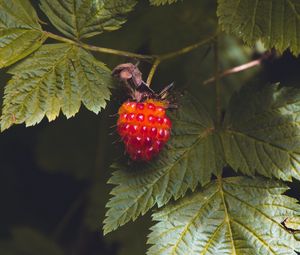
{"x": 235, "y": 69}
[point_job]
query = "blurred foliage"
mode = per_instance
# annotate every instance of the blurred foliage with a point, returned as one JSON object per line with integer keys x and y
{"x": 30, "y": 242}
{"x": 162, "y": 2}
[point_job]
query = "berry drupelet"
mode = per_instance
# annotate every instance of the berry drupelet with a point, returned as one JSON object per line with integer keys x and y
{"x": 144, "y": 128}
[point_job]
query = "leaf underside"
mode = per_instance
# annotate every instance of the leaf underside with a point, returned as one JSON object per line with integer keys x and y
{"x": 231, "y": 216}
{"x": 20, "y": 32}
{"x": 260, "y": 134}
{"x": 86, "y": 18}
{"x": 275, "y": 22}
{"x": 56, "y": 77}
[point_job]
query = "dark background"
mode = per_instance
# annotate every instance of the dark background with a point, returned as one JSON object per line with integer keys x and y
{"x": 53, "y": 176}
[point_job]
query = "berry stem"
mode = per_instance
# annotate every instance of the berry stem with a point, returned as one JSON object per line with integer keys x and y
{"x": 152, "y": 71}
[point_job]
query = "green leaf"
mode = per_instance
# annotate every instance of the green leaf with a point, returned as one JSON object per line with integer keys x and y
{"x": 275, "y": 22}
{"x": 231, "y": 216}
{"x": 190, "y": 158}
{"x": 30, "y": 242}
{"x": 85, "y": 18}
{"x": 56, "y": 77}
{"x": 262, "y": 131}
{"x": 162, "y": 2}
{"x": 20, "y": 32}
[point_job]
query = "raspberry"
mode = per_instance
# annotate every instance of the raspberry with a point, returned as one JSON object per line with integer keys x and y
{"x": 144, "y": 128}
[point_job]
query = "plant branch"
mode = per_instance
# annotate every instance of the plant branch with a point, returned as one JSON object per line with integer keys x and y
{"x": 173, "y": 54}
{"x": 187, "y": 49}
{"x": 155, "y": 59}
{"x": 235, "y": 69}
{"x": 99, "y": 49}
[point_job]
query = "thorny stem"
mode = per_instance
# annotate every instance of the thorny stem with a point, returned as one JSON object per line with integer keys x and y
{"x": 217, "y": 83}
{"x": 155, "y": 59}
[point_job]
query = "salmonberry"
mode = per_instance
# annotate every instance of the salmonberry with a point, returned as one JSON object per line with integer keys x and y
{"x": 144, "y": 128}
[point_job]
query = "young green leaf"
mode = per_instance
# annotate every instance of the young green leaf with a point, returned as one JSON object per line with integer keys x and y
{"x": 193, "y": 154}
{"x": 262, "y": 131}
{"x": 229, "y": 216}
{"x": 30, "y": 242}
{"x": 276, "y": 23}
{"x": 162, "y": 2}
{"x": 20, "y": 32}
{"x": 56, "y": 77}
{"x": 85, "y": 18}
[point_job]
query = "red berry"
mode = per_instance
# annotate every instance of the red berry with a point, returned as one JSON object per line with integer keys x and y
{"x": 144, "y": 128}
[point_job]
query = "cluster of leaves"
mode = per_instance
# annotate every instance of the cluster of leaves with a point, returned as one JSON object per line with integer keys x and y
{"x": 57, "y": 76}
{"x": 259, "y": 134}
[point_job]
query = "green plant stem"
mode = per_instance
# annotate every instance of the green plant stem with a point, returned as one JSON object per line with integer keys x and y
{"x": 156, "y": 59}
{"x": 152, "y": 71}
{"x": 187, "y": 49}
{"x": 99, "y": 49}
{"x": 173, "y": 54}
{"x": 217, "y": 83}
